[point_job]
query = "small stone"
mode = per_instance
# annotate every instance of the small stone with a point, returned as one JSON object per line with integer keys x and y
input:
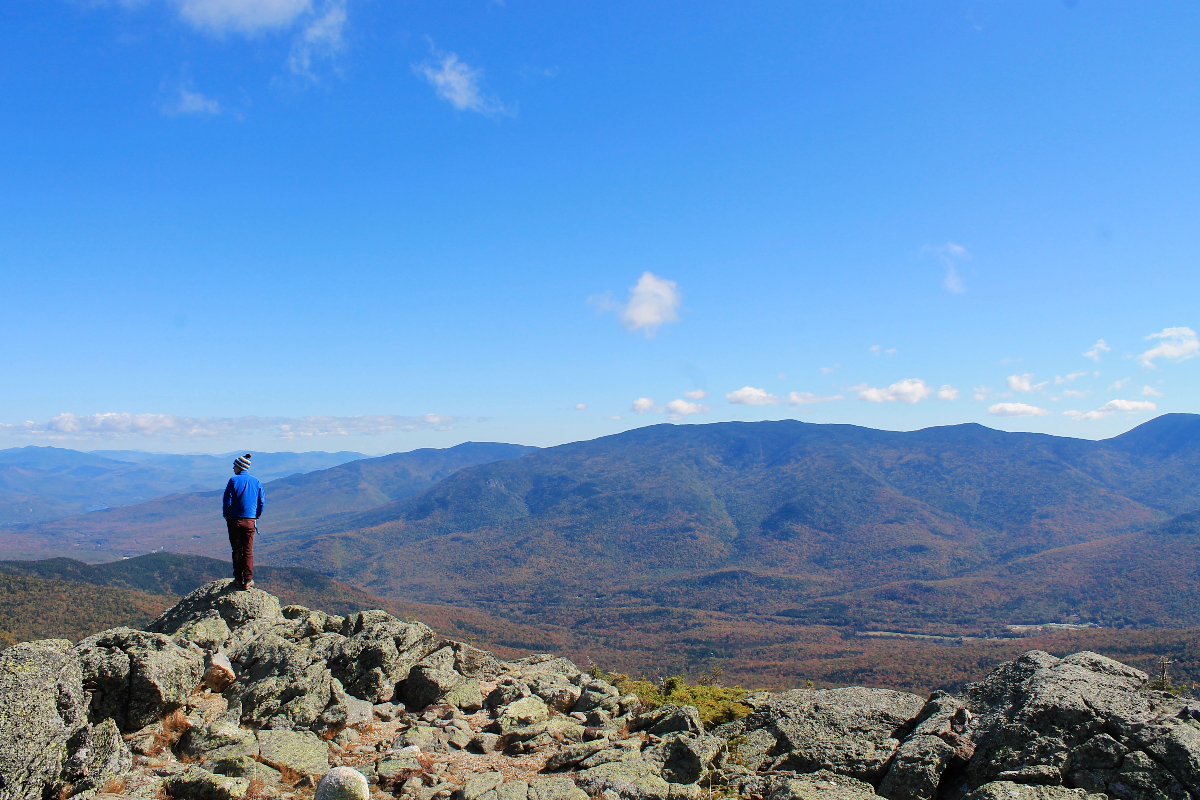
{"x": 343, "y": 783}
{"x": 555, "y": 787}
{"x": 347, "y": 737}
{"x": 480, "y": 784}
{"x": 526, "y": 711}
{"x": 386, "y": 711}
{"x": 459, "y": 739}
{"x": 466, "y": 696}
{"x": 201, "y": 784}
{"x": 399, "y": 767}
{"x": 487, "y": 742}
{"x": 298, "y": 751}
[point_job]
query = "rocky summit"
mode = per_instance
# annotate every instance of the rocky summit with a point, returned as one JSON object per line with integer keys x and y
{"x": 228, "y": 696}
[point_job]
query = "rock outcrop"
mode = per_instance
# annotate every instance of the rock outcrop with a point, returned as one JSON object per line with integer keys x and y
{"x": 230, "y": 697}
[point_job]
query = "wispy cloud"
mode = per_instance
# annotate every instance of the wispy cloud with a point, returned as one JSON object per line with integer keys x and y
{"x": 580, "y": 406}
{"x": 322, "y": 37}
{"x": 829, "y": 370}
{"x": 169, "y": 426}
{"x": 1098, "y": 349}
{"x": 1119, "y": 384}
{"x": 1112, "y": 407}
{"x": 750, "y": 396}
{"x": 951, "y": 255}
{"x": 909, "y": 390}
{"x": 241, "y": 16}
{"x": 321, "y": 22}
{"x": 1077, "y": 393}
{"x": 1016, "y": 410}
{"x": 189, "y": 102}
{"x": 652, "y": 302}
{"x": 808, "y": 398}
{"x": 1150, "y": 391}
{"x": 878, "y": 350}
{"x": 1024, "y": 383}
{"x": 983, "y": 392}
{"x": 696, "y": 394}
{"x": 1059, "y": 380}
{"x": 458, "y": 83}
{"x": 1176, "y": 344}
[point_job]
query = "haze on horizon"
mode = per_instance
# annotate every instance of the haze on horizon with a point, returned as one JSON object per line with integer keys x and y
{"x": 292, "y": 225}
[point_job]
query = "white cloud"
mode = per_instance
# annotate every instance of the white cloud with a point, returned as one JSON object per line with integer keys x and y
{"x": 982, "y": 392}
{"x": 1059, "y": 380}
{"x": 190, "y": 102}
{"x": 1098, "y": 349}
{"x": 1119, "y": 384}
{"x": 909, "y": 390}
{"x": 947, "y": 392}
{"x": 1150, "y": 391}
{"x": 1076, "y": 392}
{"x": 580, "y": 406}
{"x": 781, "y": 376}
{"x": 1177, "y": 344}
{"x": 749, "y": 396}
{"x": 1024, "y": 383}
{"x": 1129, "y": 406}
{"x": 615, "y": 417}
{"x": 652, "y": 302}
{"x": 808, "y": 398}
{"x": 951, "y": 255}
{"x": 643, "y": 405}
{"x": 696, "y": 394}
{"x": 828, "y": 370}
{"x": 322, "y": 37}
{"x": 242, "y": 16}
{"x": 1016, "y": 410}
{"x": 877, "y": 350}
{"x": 458, "y": 83}
{"x": 678, "y": 409}
{"x": 1111, "y": 407}
{"x": 169, "y": 426}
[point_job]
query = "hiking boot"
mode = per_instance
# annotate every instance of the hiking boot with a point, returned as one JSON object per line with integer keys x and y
{"x": 248, "y": 585}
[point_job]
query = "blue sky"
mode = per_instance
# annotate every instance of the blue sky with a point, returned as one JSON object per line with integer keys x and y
{"x": 341, "y": 224}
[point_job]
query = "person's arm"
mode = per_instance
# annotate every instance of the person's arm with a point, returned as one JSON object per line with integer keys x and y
{"x": 227, "y": 500}
{"x": 260, "y": 502}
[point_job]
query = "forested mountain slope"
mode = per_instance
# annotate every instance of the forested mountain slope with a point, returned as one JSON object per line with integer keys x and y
{"x": 752, "y": 517}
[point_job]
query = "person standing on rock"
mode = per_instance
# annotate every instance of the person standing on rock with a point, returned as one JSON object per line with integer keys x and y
{"x": 242, "y": 506}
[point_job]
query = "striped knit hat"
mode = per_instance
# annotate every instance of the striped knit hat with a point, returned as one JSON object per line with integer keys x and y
{"x": 242, "y": 462}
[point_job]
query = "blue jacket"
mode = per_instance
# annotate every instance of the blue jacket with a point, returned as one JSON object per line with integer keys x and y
{"x": 243, "y": 497}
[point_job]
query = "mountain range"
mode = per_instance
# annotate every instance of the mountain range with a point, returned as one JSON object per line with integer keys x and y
{"x": 777, "y": 518}
{"x": 191, "y": 522}
{"x": 43, "y": 483}
{"x": 729, "y": 536}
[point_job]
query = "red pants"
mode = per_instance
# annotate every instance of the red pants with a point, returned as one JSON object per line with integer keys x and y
{"x": 241, "y": 539}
